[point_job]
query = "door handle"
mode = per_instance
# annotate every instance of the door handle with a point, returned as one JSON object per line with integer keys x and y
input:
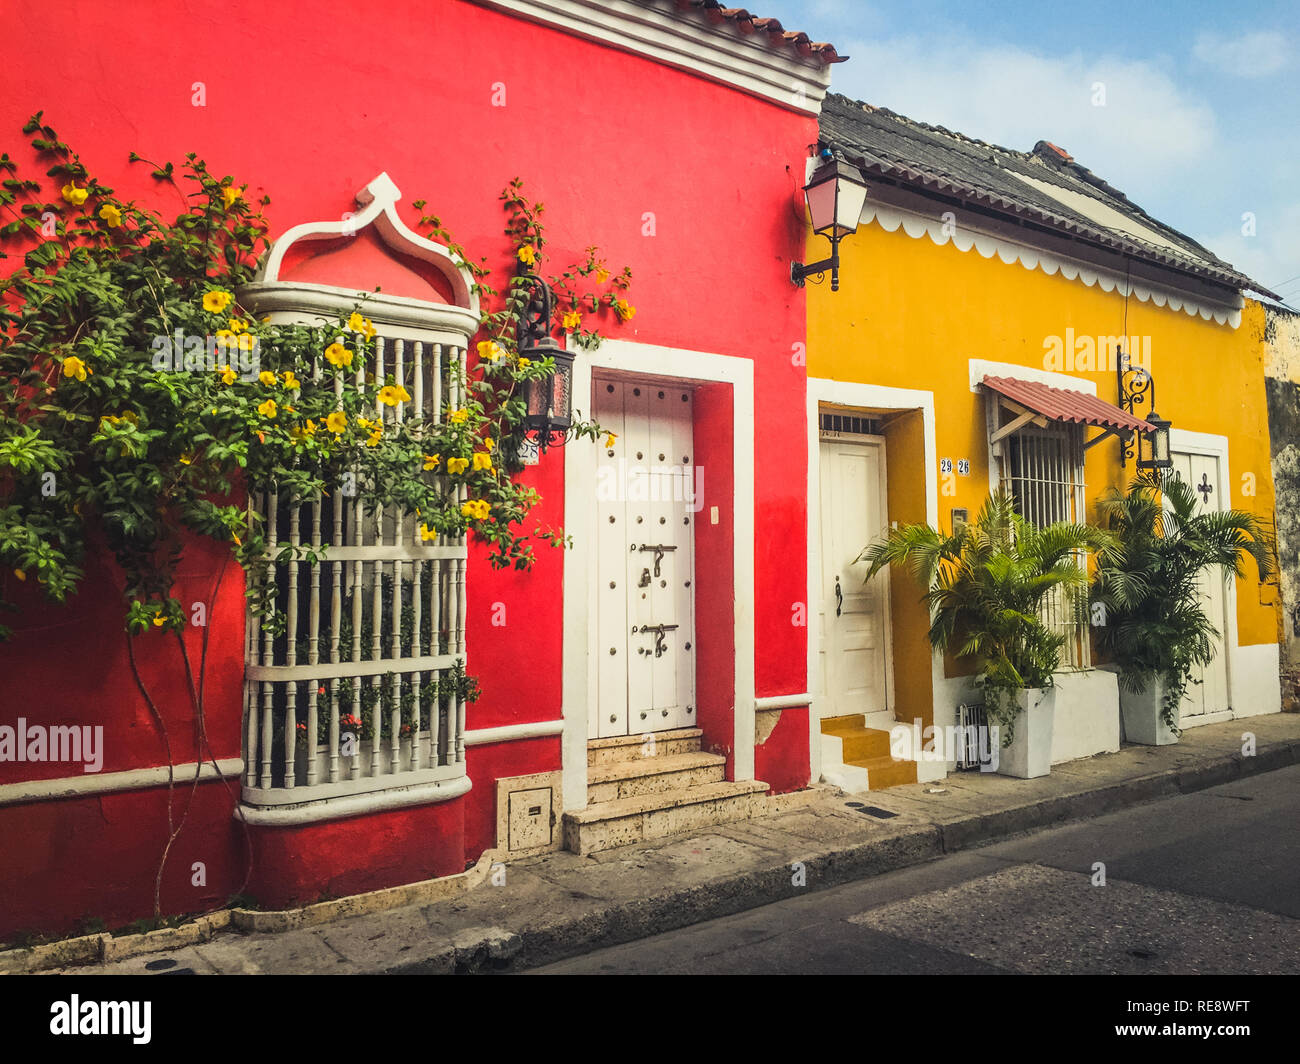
{"x": 839, "y": 598}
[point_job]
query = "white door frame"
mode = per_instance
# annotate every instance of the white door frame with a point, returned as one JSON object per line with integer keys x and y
{"x": 867, "y": 397}
{"x": 578, "y": 683}
{"x": 887, "y": 624}
{"x": 1209, "y": 445}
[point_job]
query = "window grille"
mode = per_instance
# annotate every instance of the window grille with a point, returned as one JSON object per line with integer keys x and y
{"x": 1044, "y": 469}
{"x": 849, "y": 425}
{"x": 364, "y": 690}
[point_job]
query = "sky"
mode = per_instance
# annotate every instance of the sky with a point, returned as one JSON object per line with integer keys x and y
{"x": 1190, "y": 108}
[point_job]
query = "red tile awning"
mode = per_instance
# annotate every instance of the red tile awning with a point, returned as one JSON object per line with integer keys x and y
{"x": 1066, "y": 404}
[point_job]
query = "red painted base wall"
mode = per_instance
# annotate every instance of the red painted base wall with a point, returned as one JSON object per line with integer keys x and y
{"x": 298, "y": 865}
{"x": 68, "y": 861}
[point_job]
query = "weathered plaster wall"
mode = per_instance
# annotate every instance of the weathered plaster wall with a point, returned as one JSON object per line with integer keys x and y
{"x": 1282, "y": 366}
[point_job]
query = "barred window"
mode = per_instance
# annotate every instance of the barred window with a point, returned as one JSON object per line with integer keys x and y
{"x": 1042, "y": 466}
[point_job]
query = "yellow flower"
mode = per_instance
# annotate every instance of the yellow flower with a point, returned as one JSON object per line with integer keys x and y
{"x": 476, "y": 508}
{"x": 458, "y": 417}
{"x": 572, "y": 319}
{"x": 482, "y": 461}
{"x": 490, "y": 350}
{"x": 75, "y": 196}
{"x": 375, "y": 437}
{"x": 362, "y": 325}
{"x": 229, "y": 193}
{"x": 267, "y": 378}
{"x": 267, "y": 409}
{"x": 159, "y": 619}
{"x": 602, "y": 275}
{"x": 524, "y": 363}
{"x": 336, "y": 422}
{"x": 187, "y": 458}
{"x": 623, "y": 309}
{"x": 227, "y": 375}
{"x": 290, "y": 381}
{"x": 426, "y": 533}
{"x": 392, "y": 394}
{"x": 432, "y": 461}
{"x": 226, "y": 336}
{"x": 20, "y": 574}
{"x": 74, "y": 367}
{"x": 338, "y": 355}
{"x": 610, "y": 439}
{"x": 528, "y": 254}
{"x": 237, "y": 325}
{"x": 111, "y": 215}
{"x": 364, "y": 423}
{"x": 309, "y": 428}
{"x": 457, "y": 465}
{"x": 246, "y": 341}
{"x": 490, "y": 444}
{"x": 216, "y": 301}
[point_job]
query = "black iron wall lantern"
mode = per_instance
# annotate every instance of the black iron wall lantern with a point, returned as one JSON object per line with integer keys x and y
{"x": 1138, "y": 388}
{"x": 835, "y": 194}
{"x": 549, "y": 399}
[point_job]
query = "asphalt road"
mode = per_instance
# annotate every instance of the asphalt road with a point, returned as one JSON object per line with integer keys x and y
{"x": 1200, "y": 883}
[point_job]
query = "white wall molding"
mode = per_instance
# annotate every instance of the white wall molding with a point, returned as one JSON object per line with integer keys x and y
{"x": 692, "y": 42}
{"x": 979, "y": 368}
{"x": 115, "y": 782}
{"x": 579, "y": 674}
{"x": 383, "y": 801}
{"x": 964, "y": 238}
{"x": 512, "y": 732}
{"x": 867, "y": 397}
{"x": 783, "y": 702}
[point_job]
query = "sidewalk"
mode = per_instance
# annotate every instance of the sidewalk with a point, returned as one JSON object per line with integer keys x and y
{"x": 561, "y": 904}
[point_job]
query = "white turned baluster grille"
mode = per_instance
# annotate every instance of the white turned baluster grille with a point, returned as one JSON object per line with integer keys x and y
{"x": 364, "y": 690}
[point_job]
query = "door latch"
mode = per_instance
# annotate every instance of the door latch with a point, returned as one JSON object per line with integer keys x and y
{"x": 660, "y": 631}
{"x": 839, "y": 598}
{"x": 645, "y": 578}
{"x": 660, "y": 550}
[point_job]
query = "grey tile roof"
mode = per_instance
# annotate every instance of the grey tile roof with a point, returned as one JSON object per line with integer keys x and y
{"x": 931, "y": 158}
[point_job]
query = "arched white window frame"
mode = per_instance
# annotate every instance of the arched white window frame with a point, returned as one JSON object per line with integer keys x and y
{"x": 376, "y": 564}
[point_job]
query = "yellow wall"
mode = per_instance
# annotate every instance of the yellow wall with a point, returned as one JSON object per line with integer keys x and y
{"x": 910, "y": 313}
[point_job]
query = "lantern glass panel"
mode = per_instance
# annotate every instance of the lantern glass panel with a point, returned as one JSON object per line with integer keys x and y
{"x": 821, "y": 201}
{"x": 849, "y": 202}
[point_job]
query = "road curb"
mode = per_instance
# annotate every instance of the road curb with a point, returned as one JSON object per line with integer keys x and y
{"x": 681, "y": 907}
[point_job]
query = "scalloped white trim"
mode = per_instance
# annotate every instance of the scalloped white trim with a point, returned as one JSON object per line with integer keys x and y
{"x": 917, "y": 226}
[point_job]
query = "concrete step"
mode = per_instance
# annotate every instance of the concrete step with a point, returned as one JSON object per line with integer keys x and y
{"x": 885, "y": 772}
{"x": 649, "y": 744}
{"x": 854, "y": 744}
{"x": 655, "y": 816}
{"x": 653, "y": 775}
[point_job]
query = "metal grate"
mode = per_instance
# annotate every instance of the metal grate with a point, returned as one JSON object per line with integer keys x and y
{"x": 364, "y": 689}
{"x": 849, "y": 425}
{"x": 1045, "y": 468}
{"x": 971, "y": 722}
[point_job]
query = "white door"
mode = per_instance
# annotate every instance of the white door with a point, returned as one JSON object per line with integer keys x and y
{"x": 646, "y": 498}
{"x": 1208, "y": 691}
{"x": 853, "y": 616}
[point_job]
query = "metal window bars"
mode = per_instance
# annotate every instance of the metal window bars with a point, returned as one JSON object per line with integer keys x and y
{"x": 1047, "y": 479}
{"x": 365, "y": 688}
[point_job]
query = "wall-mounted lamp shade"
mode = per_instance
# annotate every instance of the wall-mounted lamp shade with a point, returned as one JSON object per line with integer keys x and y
{"x": 550, "y": 399}
{"x": 1157, "y": 444}
{"x": 835, "y": 194}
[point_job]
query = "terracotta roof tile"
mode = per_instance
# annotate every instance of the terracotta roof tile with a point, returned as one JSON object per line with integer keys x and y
{"x": 777, "y": 34}
{"x": 1065, "y": 404}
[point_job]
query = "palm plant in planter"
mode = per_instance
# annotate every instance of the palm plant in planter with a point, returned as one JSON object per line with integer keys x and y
{"x": 986, "y": 585}
{"x": 1153, "y": 627}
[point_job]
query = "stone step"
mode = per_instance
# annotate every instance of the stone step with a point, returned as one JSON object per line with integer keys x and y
{"x": 885, "y": 772}
{"x": 854, "y": 744}
{"x": 656, "y": 816}
{"x": 653, "y": 775}
{"x": 643, "y": 745}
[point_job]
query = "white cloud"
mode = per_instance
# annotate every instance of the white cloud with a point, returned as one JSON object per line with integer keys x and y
{"x": 1250, "y": 55}
{"x": 1268, "y": 257}
{"x": 1147, "y": 130}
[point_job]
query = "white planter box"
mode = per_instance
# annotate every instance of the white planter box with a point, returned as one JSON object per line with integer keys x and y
{"x": 1140, "y": 711}
{"x": 1030, "y": 753}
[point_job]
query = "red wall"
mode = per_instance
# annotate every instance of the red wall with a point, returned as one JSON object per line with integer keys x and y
{"x": 308, "y": 108}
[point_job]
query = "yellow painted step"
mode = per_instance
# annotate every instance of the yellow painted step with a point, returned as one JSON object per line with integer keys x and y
{"x": 885, "y": 772}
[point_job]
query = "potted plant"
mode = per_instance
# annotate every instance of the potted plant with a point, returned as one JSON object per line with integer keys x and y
{"x": 1150, "y": 622}
{"x": 986, "y": 585}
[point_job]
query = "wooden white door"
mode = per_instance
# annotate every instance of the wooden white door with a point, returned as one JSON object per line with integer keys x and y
{"x": 1208, "y": 691}
{"x": 852, "y": 615}
{"x": 647, "y": 501}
